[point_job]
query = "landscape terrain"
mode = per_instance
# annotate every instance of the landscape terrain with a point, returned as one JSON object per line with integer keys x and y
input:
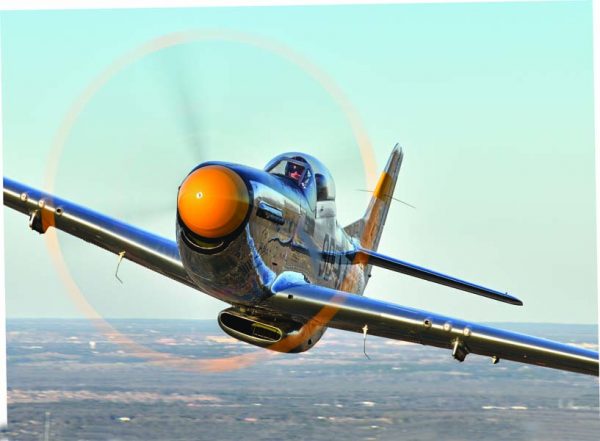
{"x": 70, "y": 380}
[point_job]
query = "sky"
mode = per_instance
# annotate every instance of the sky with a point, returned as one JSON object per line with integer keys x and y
{"x": 492, "y": 102}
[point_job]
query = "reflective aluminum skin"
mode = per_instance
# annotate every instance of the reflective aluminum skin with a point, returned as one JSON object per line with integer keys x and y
{"x": 267, "y": 243}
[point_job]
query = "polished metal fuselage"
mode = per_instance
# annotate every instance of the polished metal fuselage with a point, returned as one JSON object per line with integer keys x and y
{"x": 285, "y": 237}
{"x": 287, "y": 230}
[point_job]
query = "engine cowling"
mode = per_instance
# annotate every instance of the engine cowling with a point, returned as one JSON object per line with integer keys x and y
{"x": 267, "y": 331}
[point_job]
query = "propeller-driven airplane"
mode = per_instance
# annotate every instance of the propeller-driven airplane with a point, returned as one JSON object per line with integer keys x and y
{"x": 267, "y": 242}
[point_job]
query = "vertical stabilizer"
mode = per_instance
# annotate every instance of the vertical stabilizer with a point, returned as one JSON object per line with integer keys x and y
{"x": 367, "y": 230}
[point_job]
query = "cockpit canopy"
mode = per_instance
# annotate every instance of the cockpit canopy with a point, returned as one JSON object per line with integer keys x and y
{"x": 299, "y": 168}
{"x": 295, "y": 168}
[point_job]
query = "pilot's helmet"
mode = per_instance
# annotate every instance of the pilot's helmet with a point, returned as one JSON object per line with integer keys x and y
{"x": 292, "y": 168}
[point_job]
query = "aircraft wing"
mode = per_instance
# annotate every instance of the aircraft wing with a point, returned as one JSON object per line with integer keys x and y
{"x": 352, "y": 312}
{"x": 139, "y": 246}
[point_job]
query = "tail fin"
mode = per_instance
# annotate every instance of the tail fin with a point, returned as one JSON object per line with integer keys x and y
{"x": 368, "y": 229}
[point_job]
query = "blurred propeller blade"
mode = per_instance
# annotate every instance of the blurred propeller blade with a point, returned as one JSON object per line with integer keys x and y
{"x": 185, "y": 105}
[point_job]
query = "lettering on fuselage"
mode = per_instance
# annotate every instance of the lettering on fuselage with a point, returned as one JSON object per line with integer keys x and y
{"x": 333, "y": 265}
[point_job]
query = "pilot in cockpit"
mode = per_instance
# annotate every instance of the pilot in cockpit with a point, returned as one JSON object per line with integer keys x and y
{"x": 294, "y": 171}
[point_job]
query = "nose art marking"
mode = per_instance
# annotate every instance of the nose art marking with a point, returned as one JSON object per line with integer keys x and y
{"x": 199, "y": 195}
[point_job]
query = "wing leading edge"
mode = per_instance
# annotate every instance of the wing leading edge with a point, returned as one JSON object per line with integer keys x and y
{"x": 352, "y": 312}
{"x": 139, "y": 246}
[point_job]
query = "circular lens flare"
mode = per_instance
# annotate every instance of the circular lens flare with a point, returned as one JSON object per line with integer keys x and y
{"x": 163, "y": 42}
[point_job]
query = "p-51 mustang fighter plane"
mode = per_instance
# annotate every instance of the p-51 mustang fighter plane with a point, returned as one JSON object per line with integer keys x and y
{"x": 267, "y": 242}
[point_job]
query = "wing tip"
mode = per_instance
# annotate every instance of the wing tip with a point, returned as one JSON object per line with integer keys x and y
{"x": 506, "y": 297}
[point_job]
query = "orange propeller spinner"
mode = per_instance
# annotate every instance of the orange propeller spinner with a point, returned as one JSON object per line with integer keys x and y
{"x": 213, "y": 201}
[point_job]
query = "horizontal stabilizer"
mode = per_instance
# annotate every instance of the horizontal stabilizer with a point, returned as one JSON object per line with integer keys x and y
{"x": 377, "y": 259}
